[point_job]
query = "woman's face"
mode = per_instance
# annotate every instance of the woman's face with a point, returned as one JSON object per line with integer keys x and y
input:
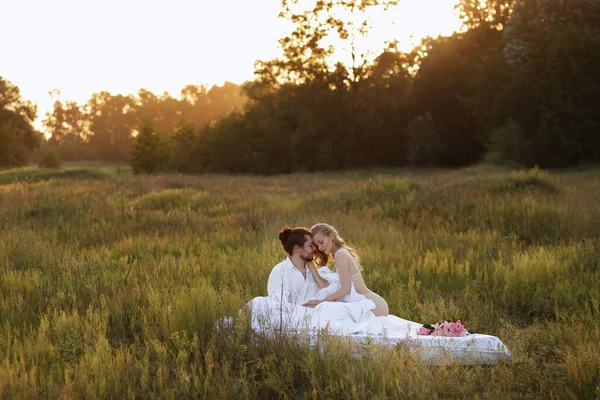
{"x": 324, "y": 243}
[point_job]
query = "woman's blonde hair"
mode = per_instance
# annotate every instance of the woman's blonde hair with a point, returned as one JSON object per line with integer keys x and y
{"x": 327, "y": 230}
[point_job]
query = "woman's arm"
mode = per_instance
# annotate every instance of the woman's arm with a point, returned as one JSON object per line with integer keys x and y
{"x": 322, "y": 282}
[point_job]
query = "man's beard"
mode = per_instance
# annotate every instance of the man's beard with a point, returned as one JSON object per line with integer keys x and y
{"x": 306, "y": 258}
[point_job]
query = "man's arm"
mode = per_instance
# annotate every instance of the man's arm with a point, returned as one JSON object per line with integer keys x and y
{"x": 276, "y": 285}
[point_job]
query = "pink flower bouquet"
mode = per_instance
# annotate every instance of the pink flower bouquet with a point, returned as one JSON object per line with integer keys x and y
{"x": 452, "y": 329}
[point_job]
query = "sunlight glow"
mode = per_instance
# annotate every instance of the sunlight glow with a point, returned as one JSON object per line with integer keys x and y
{"x": 83, "y": 47}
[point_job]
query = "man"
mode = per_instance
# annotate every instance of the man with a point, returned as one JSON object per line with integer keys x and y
{"x": 292, "y": 283}
{"x": 295, "y": 279}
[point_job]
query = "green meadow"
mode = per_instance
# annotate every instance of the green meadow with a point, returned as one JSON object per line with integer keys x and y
{"x": 111, "y": 283}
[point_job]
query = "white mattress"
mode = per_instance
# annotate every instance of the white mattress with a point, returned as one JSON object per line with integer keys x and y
{"x": 468, "y": 350}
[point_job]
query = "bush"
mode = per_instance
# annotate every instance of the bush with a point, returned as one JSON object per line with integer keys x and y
{"x": 526, "y": 180}
{"x": 50, "y": 160}
{"x": 508, "y": 145}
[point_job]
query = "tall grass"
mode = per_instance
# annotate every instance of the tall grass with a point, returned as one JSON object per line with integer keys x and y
{"x": 111, "y": 285}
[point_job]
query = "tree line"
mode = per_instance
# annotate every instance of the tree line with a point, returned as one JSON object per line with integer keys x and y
{"x": 105, "y": 127}
{"x": 518, "y": 84}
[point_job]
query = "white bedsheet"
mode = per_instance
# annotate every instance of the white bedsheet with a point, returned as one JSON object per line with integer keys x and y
{"x": 357, "y": 322}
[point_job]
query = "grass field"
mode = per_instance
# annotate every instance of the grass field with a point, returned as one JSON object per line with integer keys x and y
{"x": 110, "y": 284}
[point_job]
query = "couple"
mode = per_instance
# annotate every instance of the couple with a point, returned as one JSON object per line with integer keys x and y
{"x": 304, "y": 294}
{"x": 298, "y": 277}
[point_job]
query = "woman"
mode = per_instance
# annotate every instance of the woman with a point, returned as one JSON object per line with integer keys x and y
{"x": 328, "y": 241}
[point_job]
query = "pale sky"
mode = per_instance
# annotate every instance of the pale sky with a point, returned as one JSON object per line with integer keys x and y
{"x": 86, "y": 46}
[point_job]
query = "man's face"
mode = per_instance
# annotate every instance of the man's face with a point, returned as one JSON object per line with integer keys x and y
{"x": 306, "y": 251}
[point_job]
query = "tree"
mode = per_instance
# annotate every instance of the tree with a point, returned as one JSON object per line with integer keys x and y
{"x": 385, "y": 109}
{"x": 317, "y": 102}
{"x": 112, "y": 121}
{"x": 487, "y": 13}
{"x": 544, "y": 75}
{"x": 425, "y": 145}
{"x": 17, "y": 135}
{"x": 67, "y": 124}
{"x": 443, "y": 87}
{"x": 184, "y": 156}
{"x": 307, "y": 58}
{"x": 150, "y": 152}
{"x": 164, "y": 111}
{"x": 195, "y": 104}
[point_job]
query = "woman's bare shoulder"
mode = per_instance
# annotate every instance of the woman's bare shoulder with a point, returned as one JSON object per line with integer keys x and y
{"x": 342, "y": 254}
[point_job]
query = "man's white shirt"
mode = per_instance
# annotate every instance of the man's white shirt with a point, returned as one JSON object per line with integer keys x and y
{"x": 288, "y": 285}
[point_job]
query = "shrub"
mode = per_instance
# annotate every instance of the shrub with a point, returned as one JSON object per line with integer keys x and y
{"x": 50, "y": 160}
{"x": 534, "y": 179}
{"x": 508, "y": 145}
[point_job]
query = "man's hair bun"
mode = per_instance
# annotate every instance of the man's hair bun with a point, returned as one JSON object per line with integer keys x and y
{"x": 284, "y": 234}
{"x": 291, "y": 237}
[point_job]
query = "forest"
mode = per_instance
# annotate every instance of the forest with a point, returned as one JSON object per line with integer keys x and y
{"x": 518, "y": 85}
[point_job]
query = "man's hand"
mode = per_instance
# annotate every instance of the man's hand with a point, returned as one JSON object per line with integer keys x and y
{"x": 312, "y": 303}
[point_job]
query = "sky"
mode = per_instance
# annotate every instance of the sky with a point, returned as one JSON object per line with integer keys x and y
{"x": 85, "y": 46}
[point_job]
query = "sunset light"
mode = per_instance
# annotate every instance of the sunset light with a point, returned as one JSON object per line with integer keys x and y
{"x": 81, "y": 48}
{"x": 300, "y": 199}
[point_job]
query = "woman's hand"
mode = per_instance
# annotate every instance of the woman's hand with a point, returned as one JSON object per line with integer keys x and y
{"x": 311, "y": 265}
{"x": 323, "y": 283}
{"x": 312, "y": 303}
